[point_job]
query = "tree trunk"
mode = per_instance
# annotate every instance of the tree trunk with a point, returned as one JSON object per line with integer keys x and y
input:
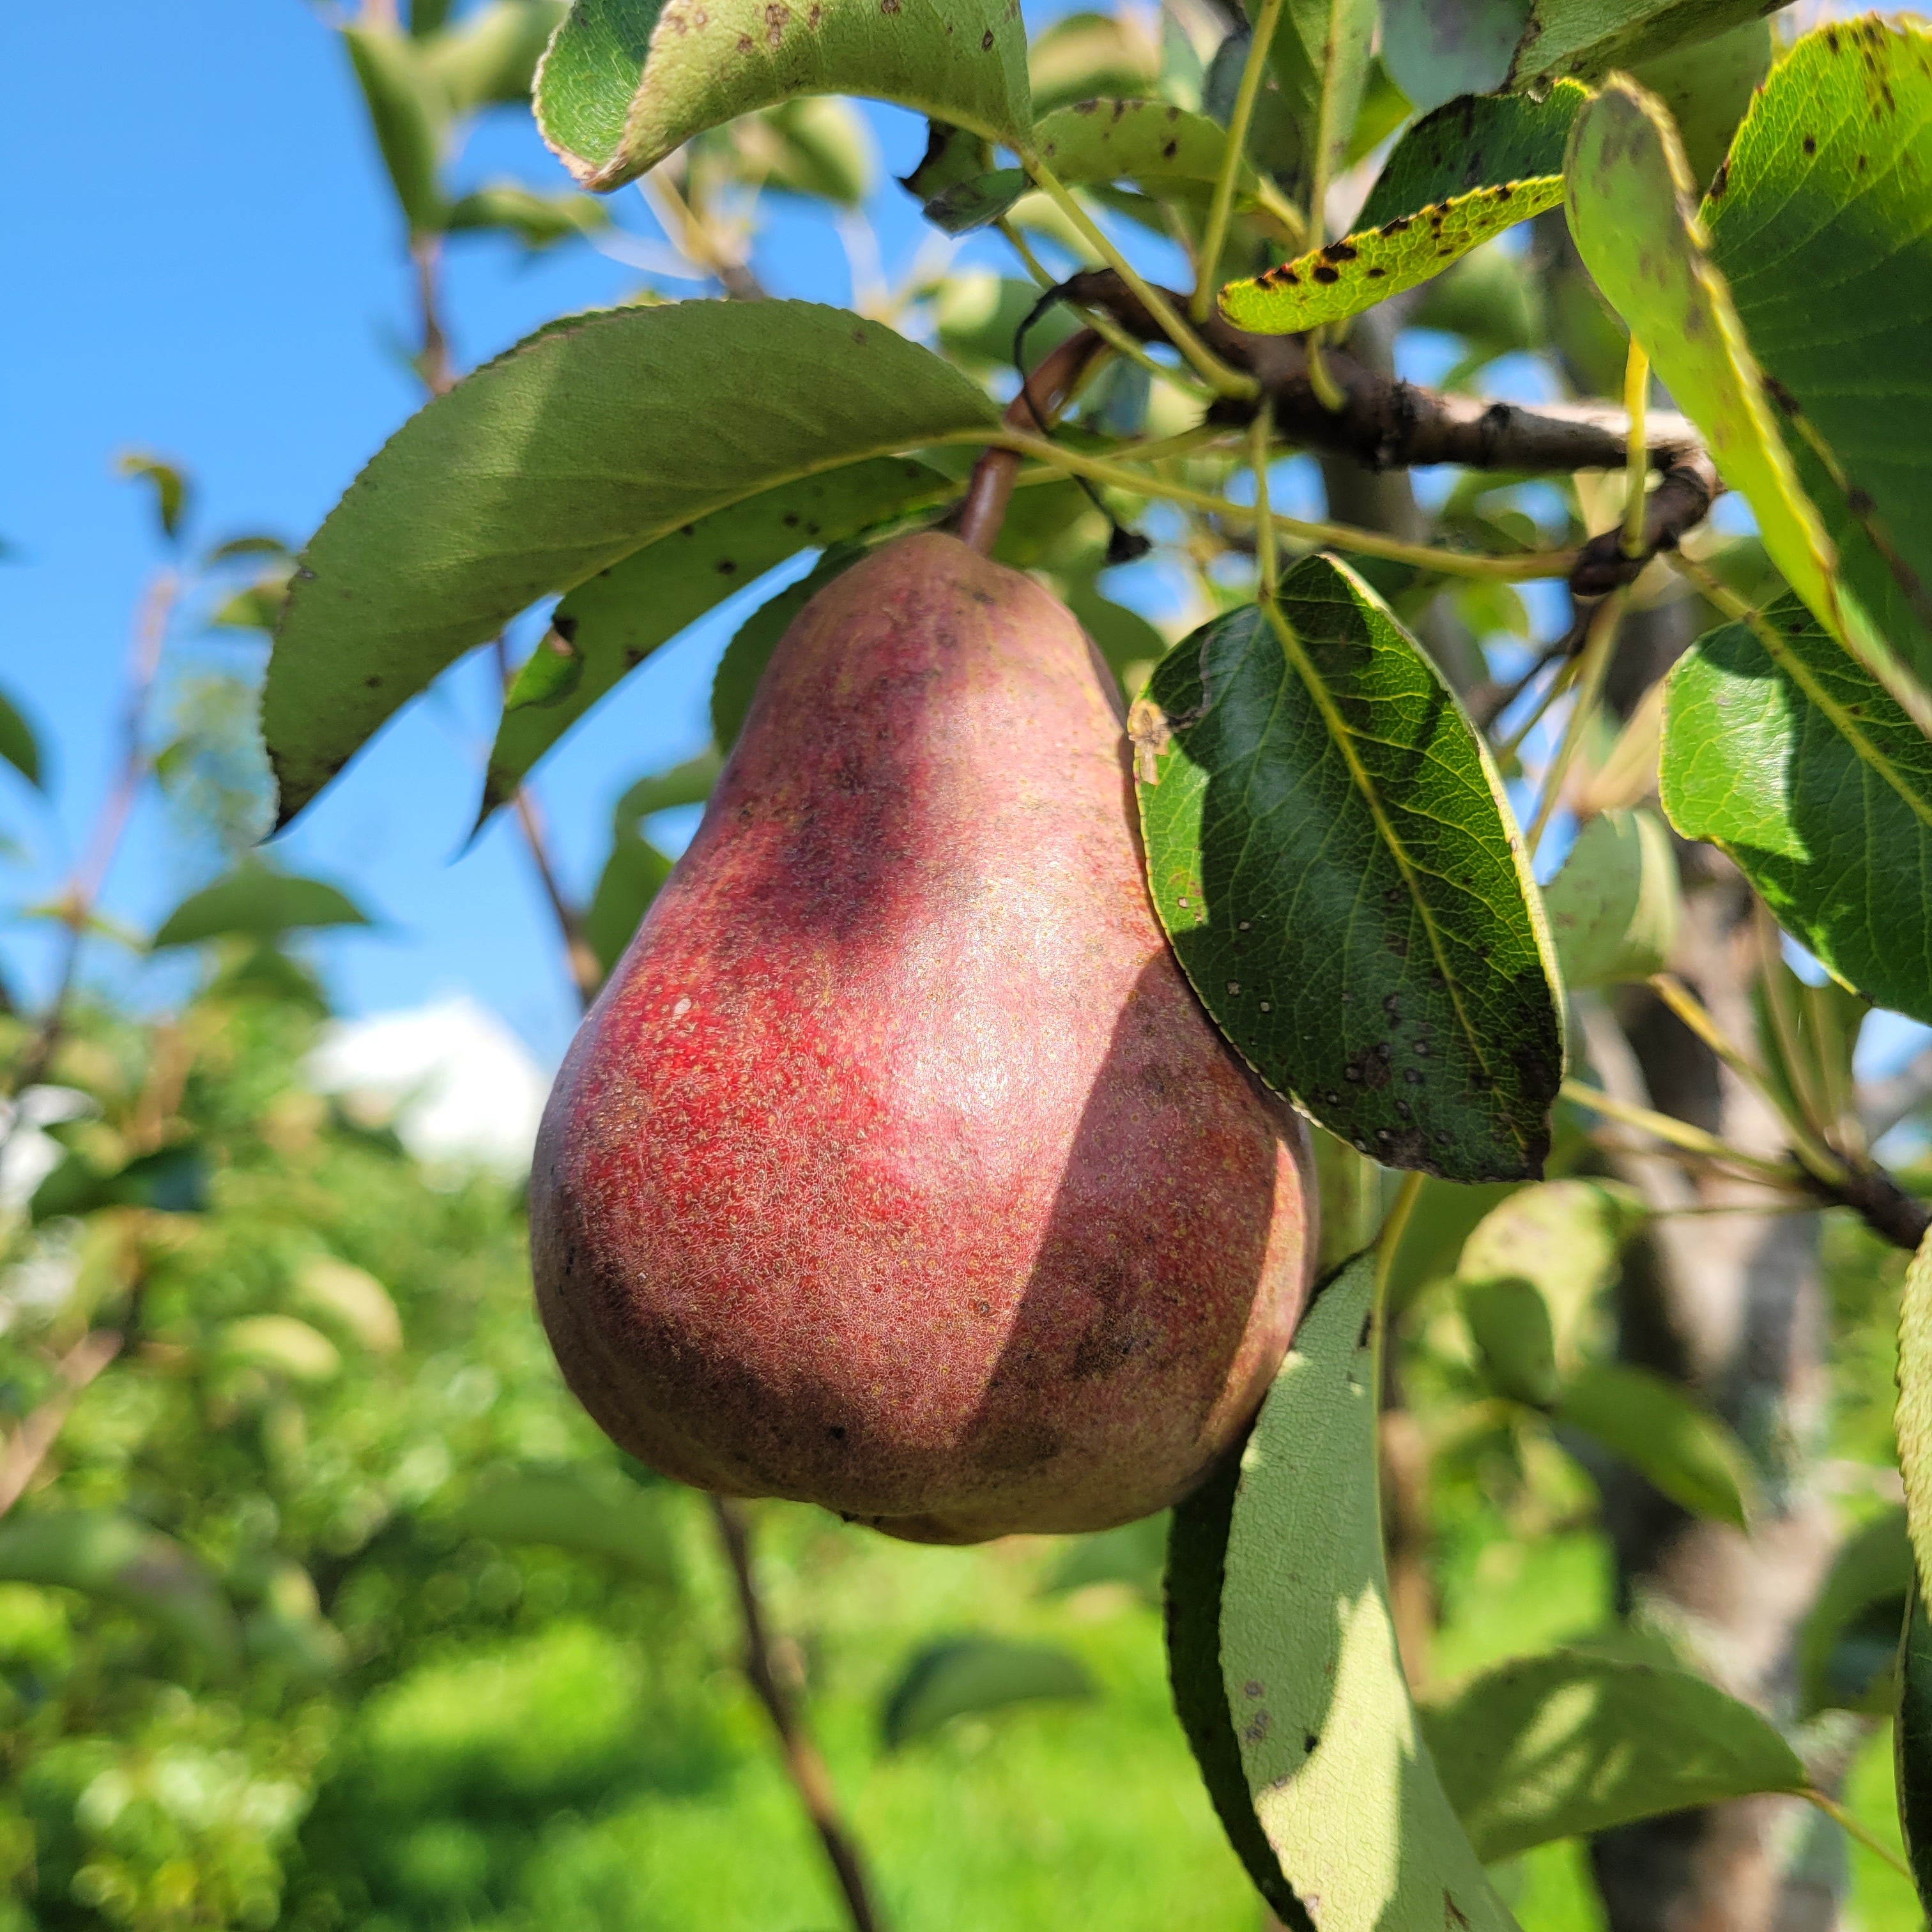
{"x": 1731, "y": 1304}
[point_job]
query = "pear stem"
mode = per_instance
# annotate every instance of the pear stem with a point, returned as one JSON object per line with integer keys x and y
{"x": 1042, "y": 395}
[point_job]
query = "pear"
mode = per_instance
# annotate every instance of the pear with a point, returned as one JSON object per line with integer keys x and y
{"x": 897, "y": 1167}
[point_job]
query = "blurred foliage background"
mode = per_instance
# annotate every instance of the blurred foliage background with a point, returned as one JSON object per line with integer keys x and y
{"x": 322, "y": 1605}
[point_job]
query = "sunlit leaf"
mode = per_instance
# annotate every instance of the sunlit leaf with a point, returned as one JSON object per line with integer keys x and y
{"x": 351, "y": 1299}
{"x": 1912, "y": 1742}
{"x": 969, "y": 1676}
{"x": 1817, "y": 221}
{"x": 537, "y": 221}
{"x": 1331, "y": 856}
{"x": 280, "y": 1345}
{"x": 1913, "y": 1420}
{"x": 408, "y": 114}
{"x": 1083, "y": 56}
{"x": 1707, "y": 88}
{"x": 1361, "y": 1832}
{"x": 1571, "y": 1743}
{"x": 596, "y": 437}
{"x": 1630, "y": 207}
{"x": 625, "y": 82}
{"x": 491, "y": 54}
{"x": 1787, "y": 755}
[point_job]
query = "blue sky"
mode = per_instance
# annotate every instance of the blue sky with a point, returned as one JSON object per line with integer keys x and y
{"x": 209, "y": 266}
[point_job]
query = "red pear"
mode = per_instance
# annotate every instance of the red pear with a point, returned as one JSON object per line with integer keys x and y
{"x": 897, "y": 1167}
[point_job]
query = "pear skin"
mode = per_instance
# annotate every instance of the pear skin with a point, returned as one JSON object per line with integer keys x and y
{"x": 897, "y": 1167}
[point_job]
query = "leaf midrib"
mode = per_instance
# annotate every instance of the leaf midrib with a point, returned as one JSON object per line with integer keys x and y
{"x": 1340, "y": 735}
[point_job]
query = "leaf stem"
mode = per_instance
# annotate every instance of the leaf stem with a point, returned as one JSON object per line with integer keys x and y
{"x": 1851, "y": 1828}
{"x": 1637, "y": 398}
{"x": 1695, "y": 1015}
{"x": 1215, "y": 235}
{"x": 1592, "y": 667}
{"x": 1212, "y": 370}
{"x": 1338, "y": 536}
{"x": 1678, "y": 1134}
{"x": 1265, "y": 561}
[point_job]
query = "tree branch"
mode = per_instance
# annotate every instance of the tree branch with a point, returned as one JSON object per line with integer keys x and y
{"x": 1387, "y": 424}
{"x": 1042, "y": 396}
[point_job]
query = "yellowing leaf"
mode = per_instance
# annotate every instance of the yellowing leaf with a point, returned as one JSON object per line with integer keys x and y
{"x": 1346, "y": 277}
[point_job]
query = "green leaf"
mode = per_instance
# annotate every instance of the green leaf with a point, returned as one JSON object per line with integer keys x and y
{"x": 595, "y": 437}
{"x": 1707, "y": 88}
{"x": 1818, "y": 222}
{"x": 1443, "y": 1218}
{"x": 811, "y": 146}
{"x": 968, "y": 1676}
{"x": 1848, "y": 1644}
{"x": 1785, "y": 754}
{"x": 978, "y": 202}
{"x": 1509, "y": 1321}
{"x": 1343, "y": 277}
{"x": 1320, "y": 58}
{"x": 636, "y": 869}
{"x": 547, "y": 675}
{"x": 1482, "y": 141}
{"x": 1588, "y": 38}
{"x": 170, "y": 484}
{"x": 1614, "y": 908}
{"x": 1912, "y": 1743}
{"x": 537, "y": 221}
{"x": 1630, "y": 208}
{"x": 1337, "y": 1768}
{"x": 259, "y": 606}
{"x": 254, "y": 900}
{"x": 1082, "y": 56}
{"x": 627, "y": 82}
{"x": 952, "y": 155}
{"x": 1571, "y": 1743}
{"x": 491, "y": 56}
{"x": 1912, "y": 1421}
{"x": 18, "y": 746}
{"x": 1149, "y": 142}
{"x": 624, "y": 614}
{"x": 409, "y": 114}
{"x": 736, "y": 682}
{"x": 1197, "y": 1550}
{"x": 352, "y": 1300}
{"x": 1330, "y": 852}
{"x": 1566, "y": 1237}
{"x": 1436, "y": 50}
{"x": 1123, "y": 638}
{"x": 1133, "y": 1554}
{"x": 1681, "y": 1449}
{"x": 280, "y": 1345}
{"x": 587, "y": 1511}
{"x": 103, "y": 1553}
{"x": 172, "y": 1180}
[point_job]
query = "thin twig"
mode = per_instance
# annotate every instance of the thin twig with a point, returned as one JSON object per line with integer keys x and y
{"x": 1637, "y": 398}
{"x": 803, "y": 1759}
{"x": 1592, "y": 667}
{"x": 29, "y": 1445}
{"x": 1042, "y": 395}
{"x": 1215, "y": 235}
{"x": 433, "y": 365}
{"x": 77, "y": 902}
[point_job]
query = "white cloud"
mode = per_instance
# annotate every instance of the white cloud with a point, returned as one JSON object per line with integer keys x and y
{"x": 455, "y": 1083}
